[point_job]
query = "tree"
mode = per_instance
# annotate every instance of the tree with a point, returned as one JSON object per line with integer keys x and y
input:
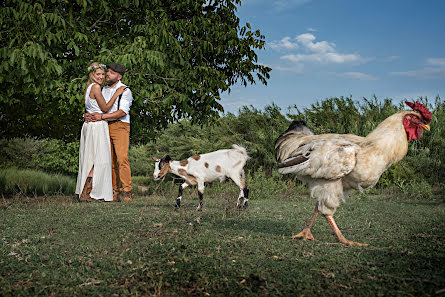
{"x": 180, "y": 55}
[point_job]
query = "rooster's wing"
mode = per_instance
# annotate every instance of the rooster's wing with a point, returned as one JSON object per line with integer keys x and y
{"x": 328, "y": 156}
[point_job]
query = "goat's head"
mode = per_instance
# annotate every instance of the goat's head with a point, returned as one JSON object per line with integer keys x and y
{"x": 162, "y": 167}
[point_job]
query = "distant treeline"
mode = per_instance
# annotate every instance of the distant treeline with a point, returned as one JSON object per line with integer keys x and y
{"x": 256, "y": 130}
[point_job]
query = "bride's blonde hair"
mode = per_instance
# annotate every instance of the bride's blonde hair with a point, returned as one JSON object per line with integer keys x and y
{"x": 91, "y": 71}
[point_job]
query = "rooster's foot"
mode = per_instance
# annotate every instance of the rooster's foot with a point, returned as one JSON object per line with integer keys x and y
{"x": 305, "y": 234}
{"x": 352, "y": 243}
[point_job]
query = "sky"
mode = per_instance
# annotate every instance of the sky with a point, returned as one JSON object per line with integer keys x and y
{"x": 319, "y": 49}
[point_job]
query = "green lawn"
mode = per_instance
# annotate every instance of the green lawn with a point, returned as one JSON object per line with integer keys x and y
{"x": 58, "y": 247}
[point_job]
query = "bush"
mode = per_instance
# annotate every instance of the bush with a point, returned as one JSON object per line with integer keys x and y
{"x": 275, "y": 186}
{"x": 49, "y": 155}
{"x": 141, "y": 162}
{"x": 19, "y": 152}
{"x": 58, "y": 156}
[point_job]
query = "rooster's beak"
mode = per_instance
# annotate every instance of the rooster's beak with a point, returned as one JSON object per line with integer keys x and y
{"x": 426, "y": 127}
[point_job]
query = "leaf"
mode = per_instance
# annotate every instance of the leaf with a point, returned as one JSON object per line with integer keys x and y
{"x": 179, "y": 59}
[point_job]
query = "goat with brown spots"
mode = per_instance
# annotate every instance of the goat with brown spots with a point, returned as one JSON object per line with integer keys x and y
{"x": 198, "y": 169}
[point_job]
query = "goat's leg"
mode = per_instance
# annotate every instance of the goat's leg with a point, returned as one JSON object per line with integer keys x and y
{"x": 178, "y": 199}
{"x": 201, "y": 195}
{"x": 246, "y": 197}
{"x": 243, "y": 197}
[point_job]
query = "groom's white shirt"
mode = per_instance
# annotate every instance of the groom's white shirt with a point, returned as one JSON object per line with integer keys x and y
{"x": 125, "y": 104}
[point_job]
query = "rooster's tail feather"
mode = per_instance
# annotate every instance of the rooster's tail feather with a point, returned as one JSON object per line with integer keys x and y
{"x": 296, "y": 128}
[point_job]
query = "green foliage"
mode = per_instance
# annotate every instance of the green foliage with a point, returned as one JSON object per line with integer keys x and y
{"x": 180, "y": 56}
{"x": 19, "y": 152}
{"x": 273, "y": 187}
{"x": 257, "y": 131}
{"x": 57, "y": 156}
{"x": 345, "y": 116}
{"x": 398, "y": 174}
{"x": 33, "y": 183}
{"x": 50, "y": 155}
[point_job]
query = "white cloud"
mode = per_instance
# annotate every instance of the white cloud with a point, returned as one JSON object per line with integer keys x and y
{"x": 359, "y": 76}
{"x": 324, "y": 58}
{"x": 436, "y": 61}
{"x": 316, "y": 52}
{"x": 311, "y": 30}
{"x": 435, "y": 69}
{"x": 296, "y": 68}
{"x": 319, "y": 47}
{"x": 284, "y": 43}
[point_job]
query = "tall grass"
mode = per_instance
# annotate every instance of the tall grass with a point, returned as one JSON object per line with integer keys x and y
{"x": 35, "y": 183}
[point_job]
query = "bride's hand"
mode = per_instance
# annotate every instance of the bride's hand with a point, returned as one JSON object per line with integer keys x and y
{"x": 120, "y": 90}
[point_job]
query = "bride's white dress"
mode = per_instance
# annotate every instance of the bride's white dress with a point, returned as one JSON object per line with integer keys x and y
{"x": 95, "y": 150}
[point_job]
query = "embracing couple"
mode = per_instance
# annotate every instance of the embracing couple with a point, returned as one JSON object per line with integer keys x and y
{"x": 105, "y": 136}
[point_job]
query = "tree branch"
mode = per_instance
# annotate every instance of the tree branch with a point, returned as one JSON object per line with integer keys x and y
{"x": 96, "y": 22}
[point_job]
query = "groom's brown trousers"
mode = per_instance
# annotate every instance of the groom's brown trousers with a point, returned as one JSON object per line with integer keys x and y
{"x": 120, "y": 142}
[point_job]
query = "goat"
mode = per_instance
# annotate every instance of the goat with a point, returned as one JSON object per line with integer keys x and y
{"x": 198, "y": 169}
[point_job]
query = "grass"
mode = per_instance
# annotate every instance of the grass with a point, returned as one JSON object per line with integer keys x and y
{"x": 54, "y": 246}
{"x": 34, "y": 183}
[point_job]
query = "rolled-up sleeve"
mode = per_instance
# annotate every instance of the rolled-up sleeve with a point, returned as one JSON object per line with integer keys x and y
{"x": 126, "y": 101}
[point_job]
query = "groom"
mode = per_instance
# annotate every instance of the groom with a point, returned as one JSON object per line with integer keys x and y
{"x": 118, "y": 118}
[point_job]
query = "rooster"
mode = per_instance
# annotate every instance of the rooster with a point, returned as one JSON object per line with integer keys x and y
{"x": 334, "y": 164}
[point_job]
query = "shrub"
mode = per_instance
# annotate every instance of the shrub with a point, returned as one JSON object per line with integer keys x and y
{"x": 50, "y": 155}
{"x": 19, "y": 152}
{"x": 140, "y": 157}
{"x": 58, "y": 156}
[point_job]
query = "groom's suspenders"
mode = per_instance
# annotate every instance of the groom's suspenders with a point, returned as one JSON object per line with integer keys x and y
{"x": 119, "y": 101}
{"x": 118, "y": 105}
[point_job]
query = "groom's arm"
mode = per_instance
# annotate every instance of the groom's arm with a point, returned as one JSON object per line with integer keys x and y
{"x": 95, "y": 117}
{"x": 114, "y": 115}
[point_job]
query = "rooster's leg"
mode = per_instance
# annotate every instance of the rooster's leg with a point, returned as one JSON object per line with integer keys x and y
{"x": 339, "y": 235}
{"x": 306, "y": 233}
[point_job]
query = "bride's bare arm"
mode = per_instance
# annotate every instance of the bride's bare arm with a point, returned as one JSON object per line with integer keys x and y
{"x": 97, "y": 93}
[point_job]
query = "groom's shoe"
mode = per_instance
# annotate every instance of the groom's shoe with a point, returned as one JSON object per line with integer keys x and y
{"x": 128, "y": 196}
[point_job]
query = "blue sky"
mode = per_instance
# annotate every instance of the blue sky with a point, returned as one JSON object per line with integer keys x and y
{"x": 331, "y": 48}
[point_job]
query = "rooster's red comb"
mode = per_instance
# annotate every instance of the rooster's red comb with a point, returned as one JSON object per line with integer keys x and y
{"x": 426, "y": 114}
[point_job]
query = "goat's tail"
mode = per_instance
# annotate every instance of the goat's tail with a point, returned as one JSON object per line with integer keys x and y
{"x": 240, "y": 149}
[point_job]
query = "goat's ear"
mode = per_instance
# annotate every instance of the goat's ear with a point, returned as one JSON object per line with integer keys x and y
{"x": 167, "y": 158}
{"x": 155, "y": 159}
